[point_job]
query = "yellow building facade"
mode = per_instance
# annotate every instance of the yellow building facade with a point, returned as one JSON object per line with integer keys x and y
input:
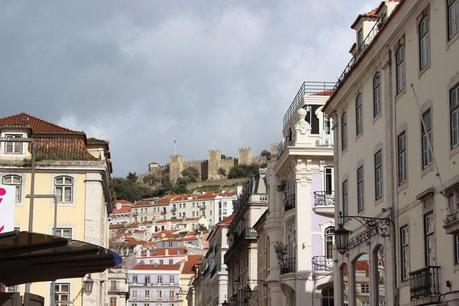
{"x": 74, "y": 169}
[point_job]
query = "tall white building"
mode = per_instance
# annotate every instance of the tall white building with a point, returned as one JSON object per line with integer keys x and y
{"x": 396, "y": 114}
{"x": 300, "y": 224}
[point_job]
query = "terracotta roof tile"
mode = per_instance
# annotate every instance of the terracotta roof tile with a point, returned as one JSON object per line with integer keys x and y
{"x": 156, "y": 267}
{"x": 38, "y": 126}
{"x": 192, "y": 261}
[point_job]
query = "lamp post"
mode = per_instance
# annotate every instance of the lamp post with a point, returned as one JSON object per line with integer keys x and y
{"x": 54, "y": 197}
{"x": 373, "y": 226}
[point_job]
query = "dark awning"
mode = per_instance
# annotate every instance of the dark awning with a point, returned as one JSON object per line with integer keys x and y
{"x": 32, "y": 257}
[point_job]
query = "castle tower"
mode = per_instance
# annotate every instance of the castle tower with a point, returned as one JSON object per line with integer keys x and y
{"x": 245, "y": 156}
{"x": 175, "y": 167}
{"x": 215, "y": 157}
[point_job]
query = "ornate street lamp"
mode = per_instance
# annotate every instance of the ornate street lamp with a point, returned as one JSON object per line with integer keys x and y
{"x": 341, "y": 239}
{"x": 373, "y": 226}
{"x": 88, "y": 283}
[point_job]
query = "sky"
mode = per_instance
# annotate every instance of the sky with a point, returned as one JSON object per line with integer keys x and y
{"x": 143, "y": 73}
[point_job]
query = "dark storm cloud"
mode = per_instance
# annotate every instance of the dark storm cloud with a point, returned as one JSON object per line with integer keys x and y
{"x": 143, "y": 73}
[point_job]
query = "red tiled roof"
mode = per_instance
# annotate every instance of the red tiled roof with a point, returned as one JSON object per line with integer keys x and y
{"x": 171, "y": 251}
{"x": 226, "y": 221}
{"x": 156, "y": 267}
{"x": 122, "y": 210}
{"x": 36, "y": 125}
{"x": 53, "y": 142}
{"x": 371, "y": 14}
{"x": 192, "y": 261}
{"x": 123, "y": 202}
{"x": 95, "y": 141}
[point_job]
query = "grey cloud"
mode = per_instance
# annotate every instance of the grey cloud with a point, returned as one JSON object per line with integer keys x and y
{"x": 143, "y": 73}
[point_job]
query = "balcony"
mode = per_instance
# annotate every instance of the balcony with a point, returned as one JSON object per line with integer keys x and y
{"x": 451, "y": 223}
{"x": 324, "y": 204}
{"x": 289, "y": 202}
{"x": 425, "y": 285}
{"x": 322, "y": 264}
{"x": 288, "y": 265}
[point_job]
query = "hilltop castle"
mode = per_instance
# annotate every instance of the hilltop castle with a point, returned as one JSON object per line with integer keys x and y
{"x": 208, "y": 169}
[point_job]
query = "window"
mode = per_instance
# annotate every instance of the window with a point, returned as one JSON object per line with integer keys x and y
{"x": 401, "y": 158}
{"x": 429, "y": 244}
{"x": 378, "y": 175}
{"x": 453, "y": 18}
{"x": 424, "y": 52}
{"x": 134, "y": 279}
{"x": 454, "y": 115}
{"x": 113, "y": 301}
{"x": 147, "y": 293}
{"x": 328, "y": 180}
{"x": 404, "y": 253}
{"x": 160, "y": 279}
{"x": 358, "y": 115}
{"x": 171, "y": 294}
{"x": 360, "y": 204}
{"x": 456, "y": 249}
{"x": 345, "y": 196}
{"x": 64, "y": 188}
{"x": 365, "y": 288}
{"x": 171, "y": 261}
{"x": 376, "y": 95}
{"x": 14, "y": 180}
{"x": 171, "y": 279}
{"x": 327, "y": 125}
{"x": 62, "y": 294}
{"x": 134, "y": 293}
{"x": 400, "y": 68}
{"x": 113, "y": 285}
{"x": 147, "y": 279}
{"x": 343, "y": 131}
{"x": 453, "y": 200}
{"x": 329, "y": 241}
{"x": 63, "y": 232}
{"x": 426, "y": 132}
{"x": 161, "y": 262}
{"x": 13, "y": 147}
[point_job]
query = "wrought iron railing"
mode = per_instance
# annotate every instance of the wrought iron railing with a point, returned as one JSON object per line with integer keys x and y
{"x": 425, "y": 282}
{"x": 323, "y": 198}
{"x": 322, "y": 263}
{"x": 360, "y": 50}
{"x": 308, "y": 87}
{"x": 288, "y": 265}
{"x": 289, "y": 202}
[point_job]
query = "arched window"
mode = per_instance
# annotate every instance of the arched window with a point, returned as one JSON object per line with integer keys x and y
{"x": 329, "y": 235}
{"x": 63, "y": 187}
{"x": 424, "y": 54}
{"x": 400, "y": 68}
{"x": 16, "y": 181}
{"x": 376, "y": 95}
{"x": 343, "y": 131}
{"x": 358, "y": 115}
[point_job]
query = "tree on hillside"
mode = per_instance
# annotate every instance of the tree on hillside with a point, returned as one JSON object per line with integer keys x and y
{"x": 151, "y": 179}
{"x": 265, "y": 153}
{"x": 221, "y": 172}
{"x": 132, "y": 176}
{"x": 127, "y": 189}
{"x": 242, "y": 171}
{"x": 191, "y": 174}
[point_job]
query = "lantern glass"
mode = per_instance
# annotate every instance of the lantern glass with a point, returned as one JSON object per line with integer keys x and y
{"x": 88, "y": 284}
{"x": 341, "y": 239}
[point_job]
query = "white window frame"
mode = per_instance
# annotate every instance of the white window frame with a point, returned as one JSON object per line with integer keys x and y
{"x": 358, "y": 114}
{"x": 9, "y": 180}
{"x": 426, "y": 138}
{"x": 360, "y": 173}
{"x": 454, "y": 115}
{"x": 453, "y": 17}
{"x": 59, "y": 293}
{"x": 401, "y": 158}
{"x": 64, "y": 232}
{"x": 404, "y": 252}
{"x": 377, "y": 95}
{"x": 424, "y": 40}
{"x": 379, "y": 181}
{"x": 400, "y": 68}
{"x": 61, "y": 188}
{"x": 13, "y": 148}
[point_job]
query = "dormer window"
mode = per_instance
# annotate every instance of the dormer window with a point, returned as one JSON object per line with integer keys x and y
{"x": 13, "y": 147}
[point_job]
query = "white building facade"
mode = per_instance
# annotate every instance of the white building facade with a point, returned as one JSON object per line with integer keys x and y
{"x": 396, "y": 134}
{"x": 300, "y": 223}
